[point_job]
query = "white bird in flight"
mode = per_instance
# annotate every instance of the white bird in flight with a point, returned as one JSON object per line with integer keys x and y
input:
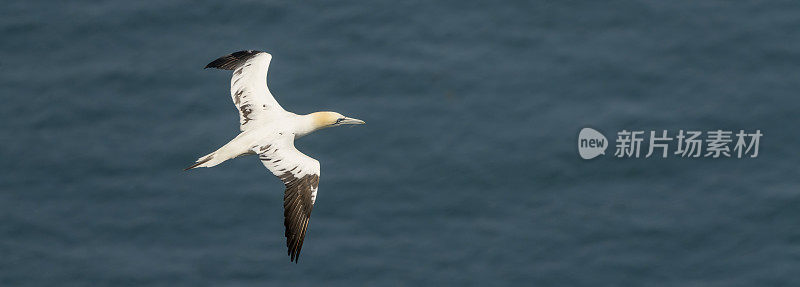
{"x": 269, "y": 131}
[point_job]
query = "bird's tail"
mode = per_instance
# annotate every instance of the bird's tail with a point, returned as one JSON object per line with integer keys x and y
{"x": 202, "y": 162}
{"x": 232, "y": 149}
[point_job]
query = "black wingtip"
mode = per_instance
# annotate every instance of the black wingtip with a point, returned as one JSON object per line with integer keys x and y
{"x": 293, "y": 255}
{"x": 294, "y": 249}
{"x": 229, "y": 62}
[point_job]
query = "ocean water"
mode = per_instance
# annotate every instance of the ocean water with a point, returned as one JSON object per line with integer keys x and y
{"x": 466, "y": 174}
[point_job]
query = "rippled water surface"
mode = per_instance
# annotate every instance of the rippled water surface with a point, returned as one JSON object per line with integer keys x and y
{"x": 465, "y": 174}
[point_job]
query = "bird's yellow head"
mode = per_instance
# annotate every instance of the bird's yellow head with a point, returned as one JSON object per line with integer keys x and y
{"x": 332, "y": 119}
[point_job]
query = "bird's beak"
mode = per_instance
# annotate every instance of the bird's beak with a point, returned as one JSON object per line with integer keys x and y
{"x": 351, "y": 121}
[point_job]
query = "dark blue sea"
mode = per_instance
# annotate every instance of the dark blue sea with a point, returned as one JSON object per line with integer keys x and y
{"x": 467, "y": 172}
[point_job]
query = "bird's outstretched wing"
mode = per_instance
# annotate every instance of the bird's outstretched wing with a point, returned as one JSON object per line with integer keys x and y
{"x": 300, "y": 174}
{"x": 249, "y": 85}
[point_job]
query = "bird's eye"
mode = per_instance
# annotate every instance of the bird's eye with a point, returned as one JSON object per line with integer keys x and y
{"x": 339, "y": 120}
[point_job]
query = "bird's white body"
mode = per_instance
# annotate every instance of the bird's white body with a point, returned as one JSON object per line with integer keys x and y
{"x": 269, "y": 131}
{"x": 288, "y": 126}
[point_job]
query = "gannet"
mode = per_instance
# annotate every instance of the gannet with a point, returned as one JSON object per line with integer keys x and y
{"x": 269, "y": 131}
